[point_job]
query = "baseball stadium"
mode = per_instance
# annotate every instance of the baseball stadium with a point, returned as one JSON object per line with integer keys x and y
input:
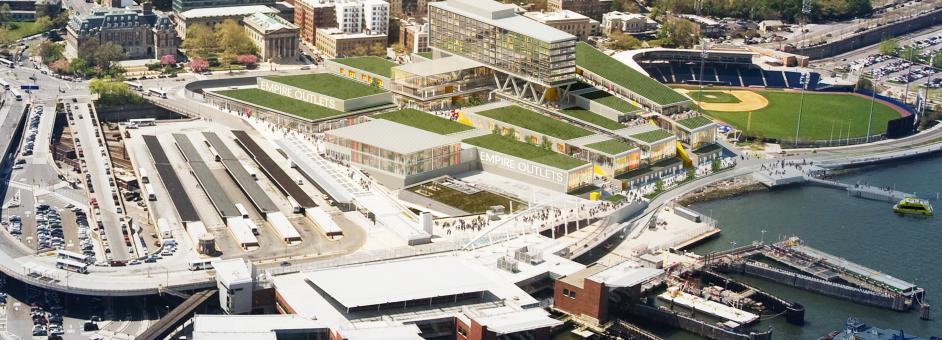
{"x": 765, "y": 102}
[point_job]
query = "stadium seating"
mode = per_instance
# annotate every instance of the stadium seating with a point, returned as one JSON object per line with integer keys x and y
{"x": 751, "y": 76}
{"x": 682, "y": 73}
{"x": 774, "y": 79}
{"x": 728, "y": 75}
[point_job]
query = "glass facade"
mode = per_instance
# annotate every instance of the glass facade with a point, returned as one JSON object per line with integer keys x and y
{"x": 549, "y": 63}
{"x": 661, "y": 150}
{"x": 393, "y": 162}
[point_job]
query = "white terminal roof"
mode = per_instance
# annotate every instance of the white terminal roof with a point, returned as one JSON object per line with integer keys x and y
{"x": 260, "y": 327}
{"x": 439, "y": 66}
{"x": 506, "y": 320}
{"x": 400, "y": 332}
{"x": 503, "y": 16}
{"x": 211, "y": 12}
{"x": 232, "y": 271}
{"x": 268, "y": 23}
{"x": 625, "y": 274}
{"x": 392, "y": 136}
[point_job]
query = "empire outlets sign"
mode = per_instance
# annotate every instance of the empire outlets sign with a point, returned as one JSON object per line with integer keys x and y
{"x": 519, "y": 166}
{"x": 299, "y": 94}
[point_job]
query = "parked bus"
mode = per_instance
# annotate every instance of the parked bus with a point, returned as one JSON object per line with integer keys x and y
{"x": 295, "y": 207}
{"x": 68, "y": 255}
{"x": 72, "y": 265}
{"x": 143, "y": 121}
{"x": 151, "y": 195}
{"x": 252, "y": 226}
{"x": 4, "y": 85}
{"x": 158, "y": 93}
{"x": 144, "y": 178}
{"x": 6, "y": 62}
{"x": 17, "y": 94}
{"x": 163, "y": 227}
{"x": 201, "y": 263}
{"x": 242, "y": 211}
{"x": 136, "y": 86}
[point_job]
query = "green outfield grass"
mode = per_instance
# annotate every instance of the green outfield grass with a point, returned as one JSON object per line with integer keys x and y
{"x": 424, "y": 121}
{"x": 822, "y": 112}
{"x": 281, "y": 103}
{"x": 713, "y": 97}
{"x": 328, "y": 85}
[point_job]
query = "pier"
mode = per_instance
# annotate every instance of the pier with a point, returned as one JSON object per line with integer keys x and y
{"x": 793, "y": 176}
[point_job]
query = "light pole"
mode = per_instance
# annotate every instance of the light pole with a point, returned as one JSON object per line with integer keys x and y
{"x": 703, "y": 56}
{"x": 873, "y": 98}
{"x": 801, "y": 104}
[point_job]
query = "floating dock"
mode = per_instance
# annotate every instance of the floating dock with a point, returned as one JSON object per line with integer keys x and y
{"x": 712, "y": 308}
{"x": 792, "y": 176}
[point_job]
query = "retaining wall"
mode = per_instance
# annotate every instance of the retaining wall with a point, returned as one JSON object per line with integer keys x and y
{"x": 695, "y": 326}
{"x": 870, "y": 37}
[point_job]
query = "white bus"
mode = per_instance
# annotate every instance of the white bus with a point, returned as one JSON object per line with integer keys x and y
{"x": 143, "y": 121}
{"x": 295, "y": 207}
{"x": 68, "y": 255}
{"x": 201, "y": 263}
{"x": 242, "y": 211}
{"x": 149, "y": 190}
{"x": 6, "y": 62}
{"x": 72, "y": 265}
{"x": 136, "y": 86}
{"x": 4, "y": 85}
{"x": 163, "y": 227}
{"x": 158, "y": 93}
{"x": 252, "y": 226}
{"x": 144, "y": 178}
{"x": 16, "y": 94}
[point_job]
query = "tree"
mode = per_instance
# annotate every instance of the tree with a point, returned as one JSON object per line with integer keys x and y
{"x": 200, "y": 41}
{"x": 378, "y": 49}
{"x": 168, "y": 59}
{"x": 5, "y": 37}
{"x": 79, "y": 66}
{"x": 106, "y": 54}
{"x": 247, "y": 59}
{"x": 910, "y": 53}
{"x": 232, "y": 38}
{"x": 48, "y": 51}
{"x": 937, "y": 60}
{"x": 60, "y": 66}
{"x": 198, "y": 65}
{"x": 44, "y": 23}
{"x": 5, "y": 13}
{"x": 622, "y": 41}
{"x": 361, "y": 50}
{"x": 678, "y": 32}
{"x": 889, "y": 47}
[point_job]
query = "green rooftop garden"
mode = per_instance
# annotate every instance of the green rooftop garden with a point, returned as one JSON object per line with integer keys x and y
{"x": 328, "y": 85}
{"x": 611, "y": 146}
{"x": 695, "y": 122}
{"x": 611, "y": 101}
{"x": 593, "y": 60}
{"x": 592, "y": 117}
{"x": 579, "y": 86}
{"x": 526, "y": 151}
{"x": 518, "y": 116}
{"x": 281, "y": 103}
{"x": 375, "y": 65}
{"x": 424, "y": 121}
{"x": 652, "y": 136}
{"x": 426, "y": 55}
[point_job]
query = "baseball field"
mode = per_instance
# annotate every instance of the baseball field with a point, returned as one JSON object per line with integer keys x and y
{"x": 774, "y": 113}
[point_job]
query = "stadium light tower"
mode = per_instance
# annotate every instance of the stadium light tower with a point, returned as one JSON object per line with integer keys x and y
{"x": 703, "y": 56}
{"x": 806, "y": 10}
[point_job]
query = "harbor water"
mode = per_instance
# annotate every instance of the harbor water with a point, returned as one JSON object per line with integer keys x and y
{"x": 862, "y": 231}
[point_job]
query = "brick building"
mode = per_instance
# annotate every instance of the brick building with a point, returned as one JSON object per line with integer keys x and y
{"x": 586, "y": 293}
{"x": 590, "y": 8}
{"x": 141, "y": 32}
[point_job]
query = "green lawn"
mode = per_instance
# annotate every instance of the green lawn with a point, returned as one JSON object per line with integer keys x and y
{"x": 611, "y": 101}
{"x": 822, "y": 111}
{"x": 526, "y": 151}
{"x": 21, "y": 29}
{"x": 328, "y": 84}
{"x": 592, "y": 117}
{"x": 424, "y": 121}
{"x": 652, "y": 136}
{"x": 713, "y": 97}
{"x": 695, "y": 122}
{"x": 375, "y": 65}
{"x": 518, "y": 116}
{"x": 475, "y": 203}
{"x": 593, "y": 60}
{"x": 611, "y": 146}
{"x": 281, "y": 103}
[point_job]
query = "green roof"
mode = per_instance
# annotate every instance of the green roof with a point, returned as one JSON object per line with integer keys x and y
{"x": 424, "y": 121}
{"x": 611, "y": 146}
{"x": 695, "y": 122}
{"x": 281, "y": 103}
{"x": 374, "y": 65}
{"x": 526, "y": 151}
{"x": 652, "y": 136}
{"x": 328, "y": 84}
{"x": 593, "y": 60}
{"x": 592, "y": 117}
{"x": 521, "y": 117}
{"x": 611, "y": 101}
{"x": 426, "y": 55}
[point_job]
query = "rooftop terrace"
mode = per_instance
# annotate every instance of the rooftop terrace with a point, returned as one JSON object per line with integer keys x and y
{"x": 593, "y": 60}
{"x": 526, "y": 151}
{"x": 592, "y": 117}
{"x": 328, "y": 84}
{"x": 695, "y": 122}
{"x": 652, "y": 136}
{"x": 521, "y": 117}
{"x": 281, "y": 103}
{"x": 424, "y": 121}
{"x": 375, "y": 65}
{"x": 611, "y": 101}
{"x": 611, "y": 147}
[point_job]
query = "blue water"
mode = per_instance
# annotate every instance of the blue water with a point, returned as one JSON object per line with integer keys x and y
{"x": 867, "y": 232}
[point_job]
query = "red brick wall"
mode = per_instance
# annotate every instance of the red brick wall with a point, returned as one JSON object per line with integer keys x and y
{"x": 591, "y": 300}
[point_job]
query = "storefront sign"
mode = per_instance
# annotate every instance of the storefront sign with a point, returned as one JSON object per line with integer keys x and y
{"x": 299, "y": 94}
{"x": 517, "y": 165}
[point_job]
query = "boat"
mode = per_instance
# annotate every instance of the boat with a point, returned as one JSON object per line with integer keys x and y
{"x": 856, "y": 330}
{"x": 913, "y": 206}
